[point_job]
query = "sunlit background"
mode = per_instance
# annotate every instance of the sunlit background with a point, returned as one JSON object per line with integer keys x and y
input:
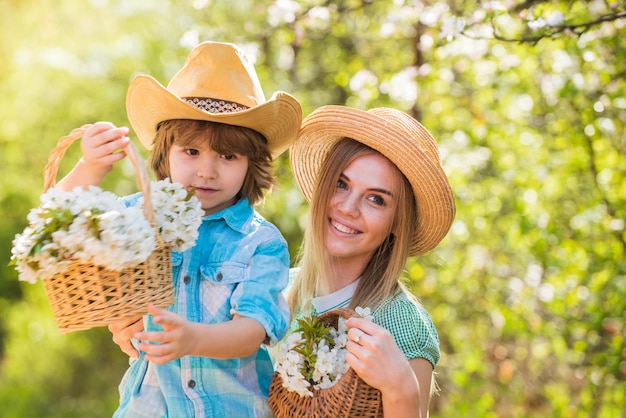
{"x": 527, "y": 100}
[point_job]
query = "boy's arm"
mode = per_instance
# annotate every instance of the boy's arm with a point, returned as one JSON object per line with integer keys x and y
{"x": 102, "y": 146}
{"x": 239, "y": 337}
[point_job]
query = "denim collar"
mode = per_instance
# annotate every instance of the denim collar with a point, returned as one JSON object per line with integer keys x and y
{"x": 236, "y": 216}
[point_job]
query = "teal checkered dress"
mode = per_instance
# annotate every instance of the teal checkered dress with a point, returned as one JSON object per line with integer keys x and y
{"x": 408, "y": 321}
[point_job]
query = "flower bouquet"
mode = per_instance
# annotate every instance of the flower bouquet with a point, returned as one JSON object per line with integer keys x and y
{"x": 312, "y": 378}
{"x": 99, "y": 260}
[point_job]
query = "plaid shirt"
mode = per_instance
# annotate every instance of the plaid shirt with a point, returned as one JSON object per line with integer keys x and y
{"x": 239, "y": 265}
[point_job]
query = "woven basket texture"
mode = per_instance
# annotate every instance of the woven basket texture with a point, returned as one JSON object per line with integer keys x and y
{"x": 86, "y": 295}
{"x": 350, "y": 397}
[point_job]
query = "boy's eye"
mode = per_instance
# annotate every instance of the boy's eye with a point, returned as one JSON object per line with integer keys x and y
{"x": 192, "y": 151}
{"x": 229, "y": 157}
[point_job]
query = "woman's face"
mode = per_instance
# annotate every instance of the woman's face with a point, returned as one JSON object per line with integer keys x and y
{"x": 362, "y": 208}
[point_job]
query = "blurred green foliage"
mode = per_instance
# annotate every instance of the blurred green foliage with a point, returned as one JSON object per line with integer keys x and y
{"x": 526, "y": 99}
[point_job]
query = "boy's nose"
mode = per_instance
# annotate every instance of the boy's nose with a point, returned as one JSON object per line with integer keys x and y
{"x": 207, "y": 170}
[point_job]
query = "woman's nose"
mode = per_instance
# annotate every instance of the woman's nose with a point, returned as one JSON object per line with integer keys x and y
{"x": 348, "y": 204}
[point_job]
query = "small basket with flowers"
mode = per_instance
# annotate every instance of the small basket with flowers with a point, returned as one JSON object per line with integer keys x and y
{"x": 312, "y": 378}
{"x": 99, "y": 260}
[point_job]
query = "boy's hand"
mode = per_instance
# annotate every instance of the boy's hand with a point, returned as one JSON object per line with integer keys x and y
{"x": 176, "y": 339}
{"x": 123, "y": 331}
{"x": 102, "y": 146}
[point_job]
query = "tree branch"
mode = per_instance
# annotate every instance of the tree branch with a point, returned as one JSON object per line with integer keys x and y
{"x": 577, "y": 29}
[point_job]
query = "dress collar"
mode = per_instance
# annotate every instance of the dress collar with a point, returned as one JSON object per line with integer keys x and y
{"x": 338, "y": 299}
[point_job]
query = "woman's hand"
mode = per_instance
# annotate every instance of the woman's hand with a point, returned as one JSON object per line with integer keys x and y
{"x": 123, "y": 331}
{"x": 376, "y": 358}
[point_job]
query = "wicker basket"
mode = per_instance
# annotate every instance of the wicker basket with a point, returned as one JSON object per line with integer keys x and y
{"x": 350, "y": 397}
{"x": 86, "y": 295}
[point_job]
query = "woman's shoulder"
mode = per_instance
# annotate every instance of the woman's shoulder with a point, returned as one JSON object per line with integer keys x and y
{"x": 411, "y": 326}
{"x": 400, "y": 303}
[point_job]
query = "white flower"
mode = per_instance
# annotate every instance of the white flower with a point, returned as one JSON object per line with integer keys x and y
{"x": 178, "y": 214}
{"x": 94, "y": 226}
{"x": 555, "y": 18}
{"x": 324, "y": 364}
{"x": 536, "y": 24}
{"x": 293, "y": 340}
{"x": 364, "y": 312}
{"x": 314, "y": 356}
{"x": 451, "y": 28}
{"x": 292, "y": 363}
{"x": 297, "y": 383}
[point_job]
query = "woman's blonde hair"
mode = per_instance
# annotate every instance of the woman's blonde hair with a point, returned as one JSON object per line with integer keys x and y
{"x": 223, "y": 139}
{"x": 381, "y": 277}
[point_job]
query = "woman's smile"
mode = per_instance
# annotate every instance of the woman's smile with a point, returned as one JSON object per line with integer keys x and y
{"x": 343, "y": 228}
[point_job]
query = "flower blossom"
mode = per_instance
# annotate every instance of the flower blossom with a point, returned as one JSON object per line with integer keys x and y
{"x": 314, "y": 356}
{"x": 92, "y": 226}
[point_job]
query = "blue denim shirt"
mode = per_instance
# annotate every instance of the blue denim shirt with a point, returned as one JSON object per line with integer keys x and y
{"x": 240, "y": 265}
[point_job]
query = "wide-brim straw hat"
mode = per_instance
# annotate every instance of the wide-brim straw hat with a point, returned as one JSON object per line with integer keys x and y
{"x": 217, "y": 83}
{"x": 398, "y": 137}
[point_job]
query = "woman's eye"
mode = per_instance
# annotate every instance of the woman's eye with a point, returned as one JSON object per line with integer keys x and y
{"x": 378, "y": 200}
{"x": 341, "y": 184}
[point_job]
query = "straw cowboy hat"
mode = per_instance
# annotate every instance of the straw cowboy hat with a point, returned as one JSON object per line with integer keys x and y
{"x": 397, "y": 136}
{"x": 217, "y": 83}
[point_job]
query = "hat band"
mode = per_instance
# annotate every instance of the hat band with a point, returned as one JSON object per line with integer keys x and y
{"x": 214, "y": 105}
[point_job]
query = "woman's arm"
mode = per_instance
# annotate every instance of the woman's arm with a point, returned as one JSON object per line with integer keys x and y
{"x": 375, "y": 357}
{"x": 423, "y": 370}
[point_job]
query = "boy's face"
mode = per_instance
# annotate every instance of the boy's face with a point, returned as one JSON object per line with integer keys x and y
{"x": 217, "y": 178}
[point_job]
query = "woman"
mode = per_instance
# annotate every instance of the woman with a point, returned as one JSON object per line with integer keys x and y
{"x": 378, "y": 195}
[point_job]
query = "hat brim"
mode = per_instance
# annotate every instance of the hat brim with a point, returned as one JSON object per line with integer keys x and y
{"x": 148, "y": 103}
{"x": 417, "y": 160}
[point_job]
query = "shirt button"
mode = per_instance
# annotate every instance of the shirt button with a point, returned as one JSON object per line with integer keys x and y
{"x": 219, "y": 277}
{"x": 191, "y": 384}
{"x": 187, "y": 279}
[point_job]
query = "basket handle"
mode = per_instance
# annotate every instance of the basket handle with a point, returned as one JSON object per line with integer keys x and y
{"x": 56, "y": 155}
